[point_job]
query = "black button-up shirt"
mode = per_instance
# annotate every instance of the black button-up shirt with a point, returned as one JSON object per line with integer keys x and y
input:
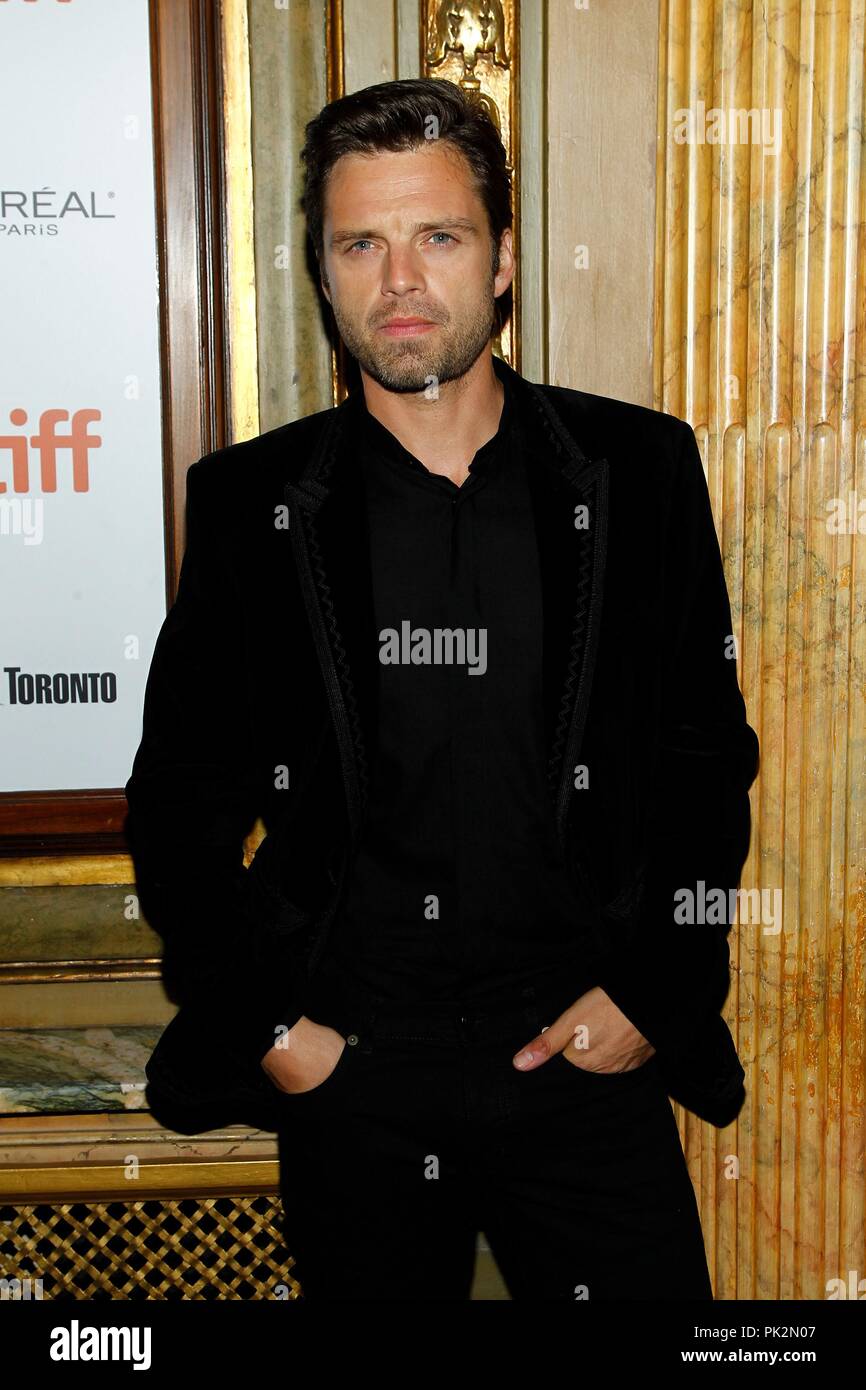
{"x": 458, "y": 890}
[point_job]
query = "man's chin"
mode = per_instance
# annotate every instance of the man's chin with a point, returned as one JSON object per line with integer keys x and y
{"x": 404, "y": 374}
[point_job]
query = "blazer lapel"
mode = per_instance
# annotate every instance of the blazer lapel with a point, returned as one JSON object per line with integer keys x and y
{"x": 570, "y": 505}
{"x": 330, "y": 543}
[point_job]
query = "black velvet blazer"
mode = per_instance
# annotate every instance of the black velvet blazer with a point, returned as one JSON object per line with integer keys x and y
{"x": 261, "y": 701}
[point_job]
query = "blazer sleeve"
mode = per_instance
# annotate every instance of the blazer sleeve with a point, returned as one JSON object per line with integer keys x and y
{"x": 193, "y": 796}
{"x": 667, "y": 975}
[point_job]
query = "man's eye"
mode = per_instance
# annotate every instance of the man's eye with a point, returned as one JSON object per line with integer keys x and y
{"x": 364, "y": 242}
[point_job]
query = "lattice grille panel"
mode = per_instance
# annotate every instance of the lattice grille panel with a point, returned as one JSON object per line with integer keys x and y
{"x": 159, "y": 1248}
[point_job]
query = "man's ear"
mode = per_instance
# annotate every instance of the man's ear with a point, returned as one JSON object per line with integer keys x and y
{"x": 323, "y": 281}
{"x": 506, "y": 260}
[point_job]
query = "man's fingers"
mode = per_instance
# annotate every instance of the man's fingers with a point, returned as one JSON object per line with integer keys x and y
{"x": 542, "y": 1047}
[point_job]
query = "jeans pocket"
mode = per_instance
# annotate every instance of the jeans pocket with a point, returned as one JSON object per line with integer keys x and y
{"x": 602, "y": 1076}
{"x": 334, "y": 1077}
{"x": 544, "y": 1014}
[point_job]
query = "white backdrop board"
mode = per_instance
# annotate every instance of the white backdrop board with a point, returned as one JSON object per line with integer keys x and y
{"x": 82, "y": 549}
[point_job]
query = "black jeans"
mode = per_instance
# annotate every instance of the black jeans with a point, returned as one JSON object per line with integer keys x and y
{"x": 425, "y": 1133}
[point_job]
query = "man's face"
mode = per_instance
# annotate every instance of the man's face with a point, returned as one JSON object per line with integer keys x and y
{"x": 406, "y": 236}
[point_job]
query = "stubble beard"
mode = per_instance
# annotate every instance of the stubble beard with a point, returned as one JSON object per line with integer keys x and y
{"x": 412, "y": 364}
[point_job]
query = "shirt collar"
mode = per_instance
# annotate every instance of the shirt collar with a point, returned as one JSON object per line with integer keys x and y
{"x": 380, "y": 438}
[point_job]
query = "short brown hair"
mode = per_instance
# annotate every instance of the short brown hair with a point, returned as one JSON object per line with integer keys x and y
{"x": 400, "y": 116}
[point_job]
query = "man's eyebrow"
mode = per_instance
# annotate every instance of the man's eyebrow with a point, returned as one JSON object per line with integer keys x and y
{"x": 461, "y": 223}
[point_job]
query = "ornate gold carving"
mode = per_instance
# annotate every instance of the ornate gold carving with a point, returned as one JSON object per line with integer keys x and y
{"x": 472, "y": 43}
{"x": 467, "y": 29}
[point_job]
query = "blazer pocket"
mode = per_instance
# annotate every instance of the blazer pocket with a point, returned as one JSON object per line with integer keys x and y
{"x": 707, "y": 1077}
{"x": 196, "y": 1083}
{"x": 272, "y": 914}
{"x": 626, "y": 904}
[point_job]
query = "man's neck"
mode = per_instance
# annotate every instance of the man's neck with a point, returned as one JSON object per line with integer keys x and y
{"x": 444, "y": 433}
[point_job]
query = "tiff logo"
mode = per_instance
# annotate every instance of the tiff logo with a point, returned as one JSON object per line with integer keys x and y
{"x": 47, "y": 442}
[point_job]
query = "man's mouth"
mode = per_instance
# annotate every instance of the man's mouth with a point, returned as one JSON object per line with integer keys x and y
{"x": 404, "y": 328}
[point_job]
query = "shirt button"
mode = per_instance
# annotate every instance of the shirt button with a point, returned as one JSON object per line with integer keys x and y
{"x": 352, "y": 1039}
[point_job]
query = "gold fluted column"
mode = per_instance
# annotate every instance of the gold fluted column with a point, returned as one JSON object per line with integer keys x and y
{"x": 760, "y": 343}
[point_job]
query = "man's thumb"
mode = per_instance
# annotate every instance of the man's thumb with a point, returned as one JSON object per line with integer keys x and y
{"x": 542, "y": 1048}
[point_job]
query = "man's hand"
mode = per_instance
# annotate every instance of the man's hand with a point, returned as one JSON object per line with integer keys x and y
{"x": 592, "y": 1029}
{"x": 304, "y": 1057}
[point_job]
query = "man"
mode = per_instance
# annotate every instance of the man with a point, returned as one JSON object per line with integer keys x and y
{"x": 465, "y": 644}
